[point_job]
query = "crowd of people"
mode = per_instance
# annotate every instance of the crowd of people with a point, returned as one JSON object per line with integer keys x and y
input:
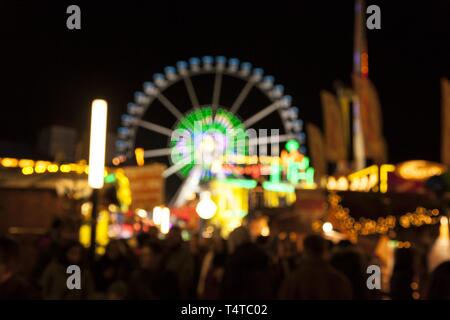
{"x": 241, "y": 267}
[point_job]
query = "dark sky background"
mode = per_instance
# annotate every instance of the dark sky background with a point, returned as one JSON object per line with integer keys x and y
{"x": 50, "y": 74}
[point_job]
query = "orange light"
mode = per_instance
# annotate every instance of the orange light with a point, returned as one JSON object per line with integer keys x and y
{"x": 139, "y": 153}
{"x": 10, "y": 162}
{"x": 26, "y": 163}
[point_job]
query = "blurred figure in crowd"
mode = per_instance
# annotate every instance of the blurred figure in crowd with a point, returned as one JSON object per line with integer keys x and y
{"x": 179, "y": 261}
{"x": 117, "y": 291}
{"x": 439, "y": 286}
{"x": 62, "y": 232}
{"x": 315, "y": 279}
{"x": 403, "y": 275}
{"x": 113, "y": 266}
{"x": 212, "y": 269}
{"x": 198, "y": 248}
{"x": 12, "y": 286}
{"x": 346, "y": 259}
{"x": 54, "y": 277}
{"x": 248, "y": 273}
{"x": 151, "y": 281}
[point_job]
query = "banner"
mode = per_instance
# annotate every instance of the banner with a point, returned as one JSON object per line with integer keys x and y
{"x": 147, "y": 185}
{"x": 445, "y": 143}
{"x": 316, "y": 148}
{"x": 335, "y": 147}
{"x": 371, "y": 123}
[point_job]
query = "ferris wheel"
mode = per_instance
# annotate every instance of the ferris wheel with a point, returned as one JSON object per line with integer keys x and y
{"x": 187, "y": 113}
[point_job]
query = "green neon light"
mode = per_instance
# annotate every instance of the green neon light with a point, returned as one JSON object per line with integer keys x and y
{"x": 207, "y": 121}
{"x": 292, "y": 145}
{"x": 110, "y": 178}
{"x": 275, "y": 173}
{"x": 293, "y": 172}
{"x": 310, "y": 175}
{"x": 241, "y": 183}
{"x": 278, "y": 187}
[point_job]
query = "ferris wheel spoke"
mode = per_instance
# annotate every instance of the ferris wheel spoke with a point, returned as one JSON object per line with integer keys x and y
{"x": 157, "y": 152}
{"x": 261, "y": 114}
{"x": 189, "y": 186}
{"x": 241, "y": 97}
{"x": 217, "y": 88}
{"x": 175, "y": 168}
{"x": 169, "y": 106}
{"x": 191, "y": 92}
{"x": 155, "y": 127}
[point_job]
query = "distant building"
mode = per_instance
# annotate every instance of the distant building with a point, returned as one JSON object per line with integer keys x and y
{"x": 58, "y": 143}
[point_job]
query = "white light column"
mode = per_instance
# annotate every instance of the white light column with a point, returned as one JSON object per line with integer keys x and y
{"x": 97, "y": 146}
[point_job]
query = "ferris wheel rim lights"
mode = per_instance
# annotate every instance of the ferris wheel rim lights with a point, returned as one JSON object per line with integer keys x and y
{"x": 205, "y": 65}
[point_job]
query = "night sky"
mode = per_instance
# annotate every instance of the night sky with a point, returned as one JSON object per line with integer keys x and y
{"x": 50, "y": 74}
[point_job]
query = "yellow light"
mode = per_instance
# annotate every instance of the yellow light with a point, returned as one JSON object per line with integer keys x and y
{"x": 113, "y": 208}
{"x": 86, "y": 209}
{"x": 10, "y": 162}
{"x": 420, "y": 169}
{"x": 206, "y": 208}
{"x": 40, "y": 168}
{"x": 27, "y": 170}
{"x": 364, "y": 172}
{"x": 65, "y": 168}
{"x": 327, "y": 227}
{"x": 165, "y": 220}
{"x": 331, "y": 184}
{"x": 139, "y": 153}
{"x": 265, "y": 231}
{"x": 141, "y": 213}
{"x": 26, "y": 163}
{"x": 342, "y": 184}
{"x": 97, "y": 143}
{"x": 443, "y": 228}
{"x": 52, "y": 168}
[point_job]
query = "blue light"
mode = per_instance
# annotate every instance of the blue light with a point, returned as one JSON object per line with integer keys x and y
{"x": 221, "y": 60}
{"x": 246, "y": 65}
{"x": 123, "y": 132}
{"x": 233, "y": 62}
{"x": 194, "y": 61}
{"x": 182, "y": 65}
{"x": 121, "y": 145}
{"x": 158, "y": 77}
{"x": 170, "y": 70}
{"x": 287, "y": 99}
{"x": 258, "y": 72}
{"x": 207, "y": 60}
{"x": 150, "y": 88}
{"x": 140, "y": 97}
{"x": 127, "y": 120}
{"x": 269, "y": 80}
{"x": 279, "y": 89}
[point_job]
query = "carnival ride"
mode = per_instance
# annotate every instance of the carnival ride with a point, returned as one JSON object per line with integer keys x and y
{"x": 214, "y": 145}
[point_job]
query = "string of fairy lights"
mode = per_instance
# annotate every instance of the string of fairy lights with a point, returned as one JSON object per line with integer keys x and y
{"x": 29, "y": 167}
{"x": 364, "y": 226}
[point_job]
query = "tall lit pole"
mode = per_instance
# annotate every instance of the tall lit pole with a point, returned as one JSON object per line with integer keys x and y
{"x": 97, "y": 146}
{"x": 360, "y": 70}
